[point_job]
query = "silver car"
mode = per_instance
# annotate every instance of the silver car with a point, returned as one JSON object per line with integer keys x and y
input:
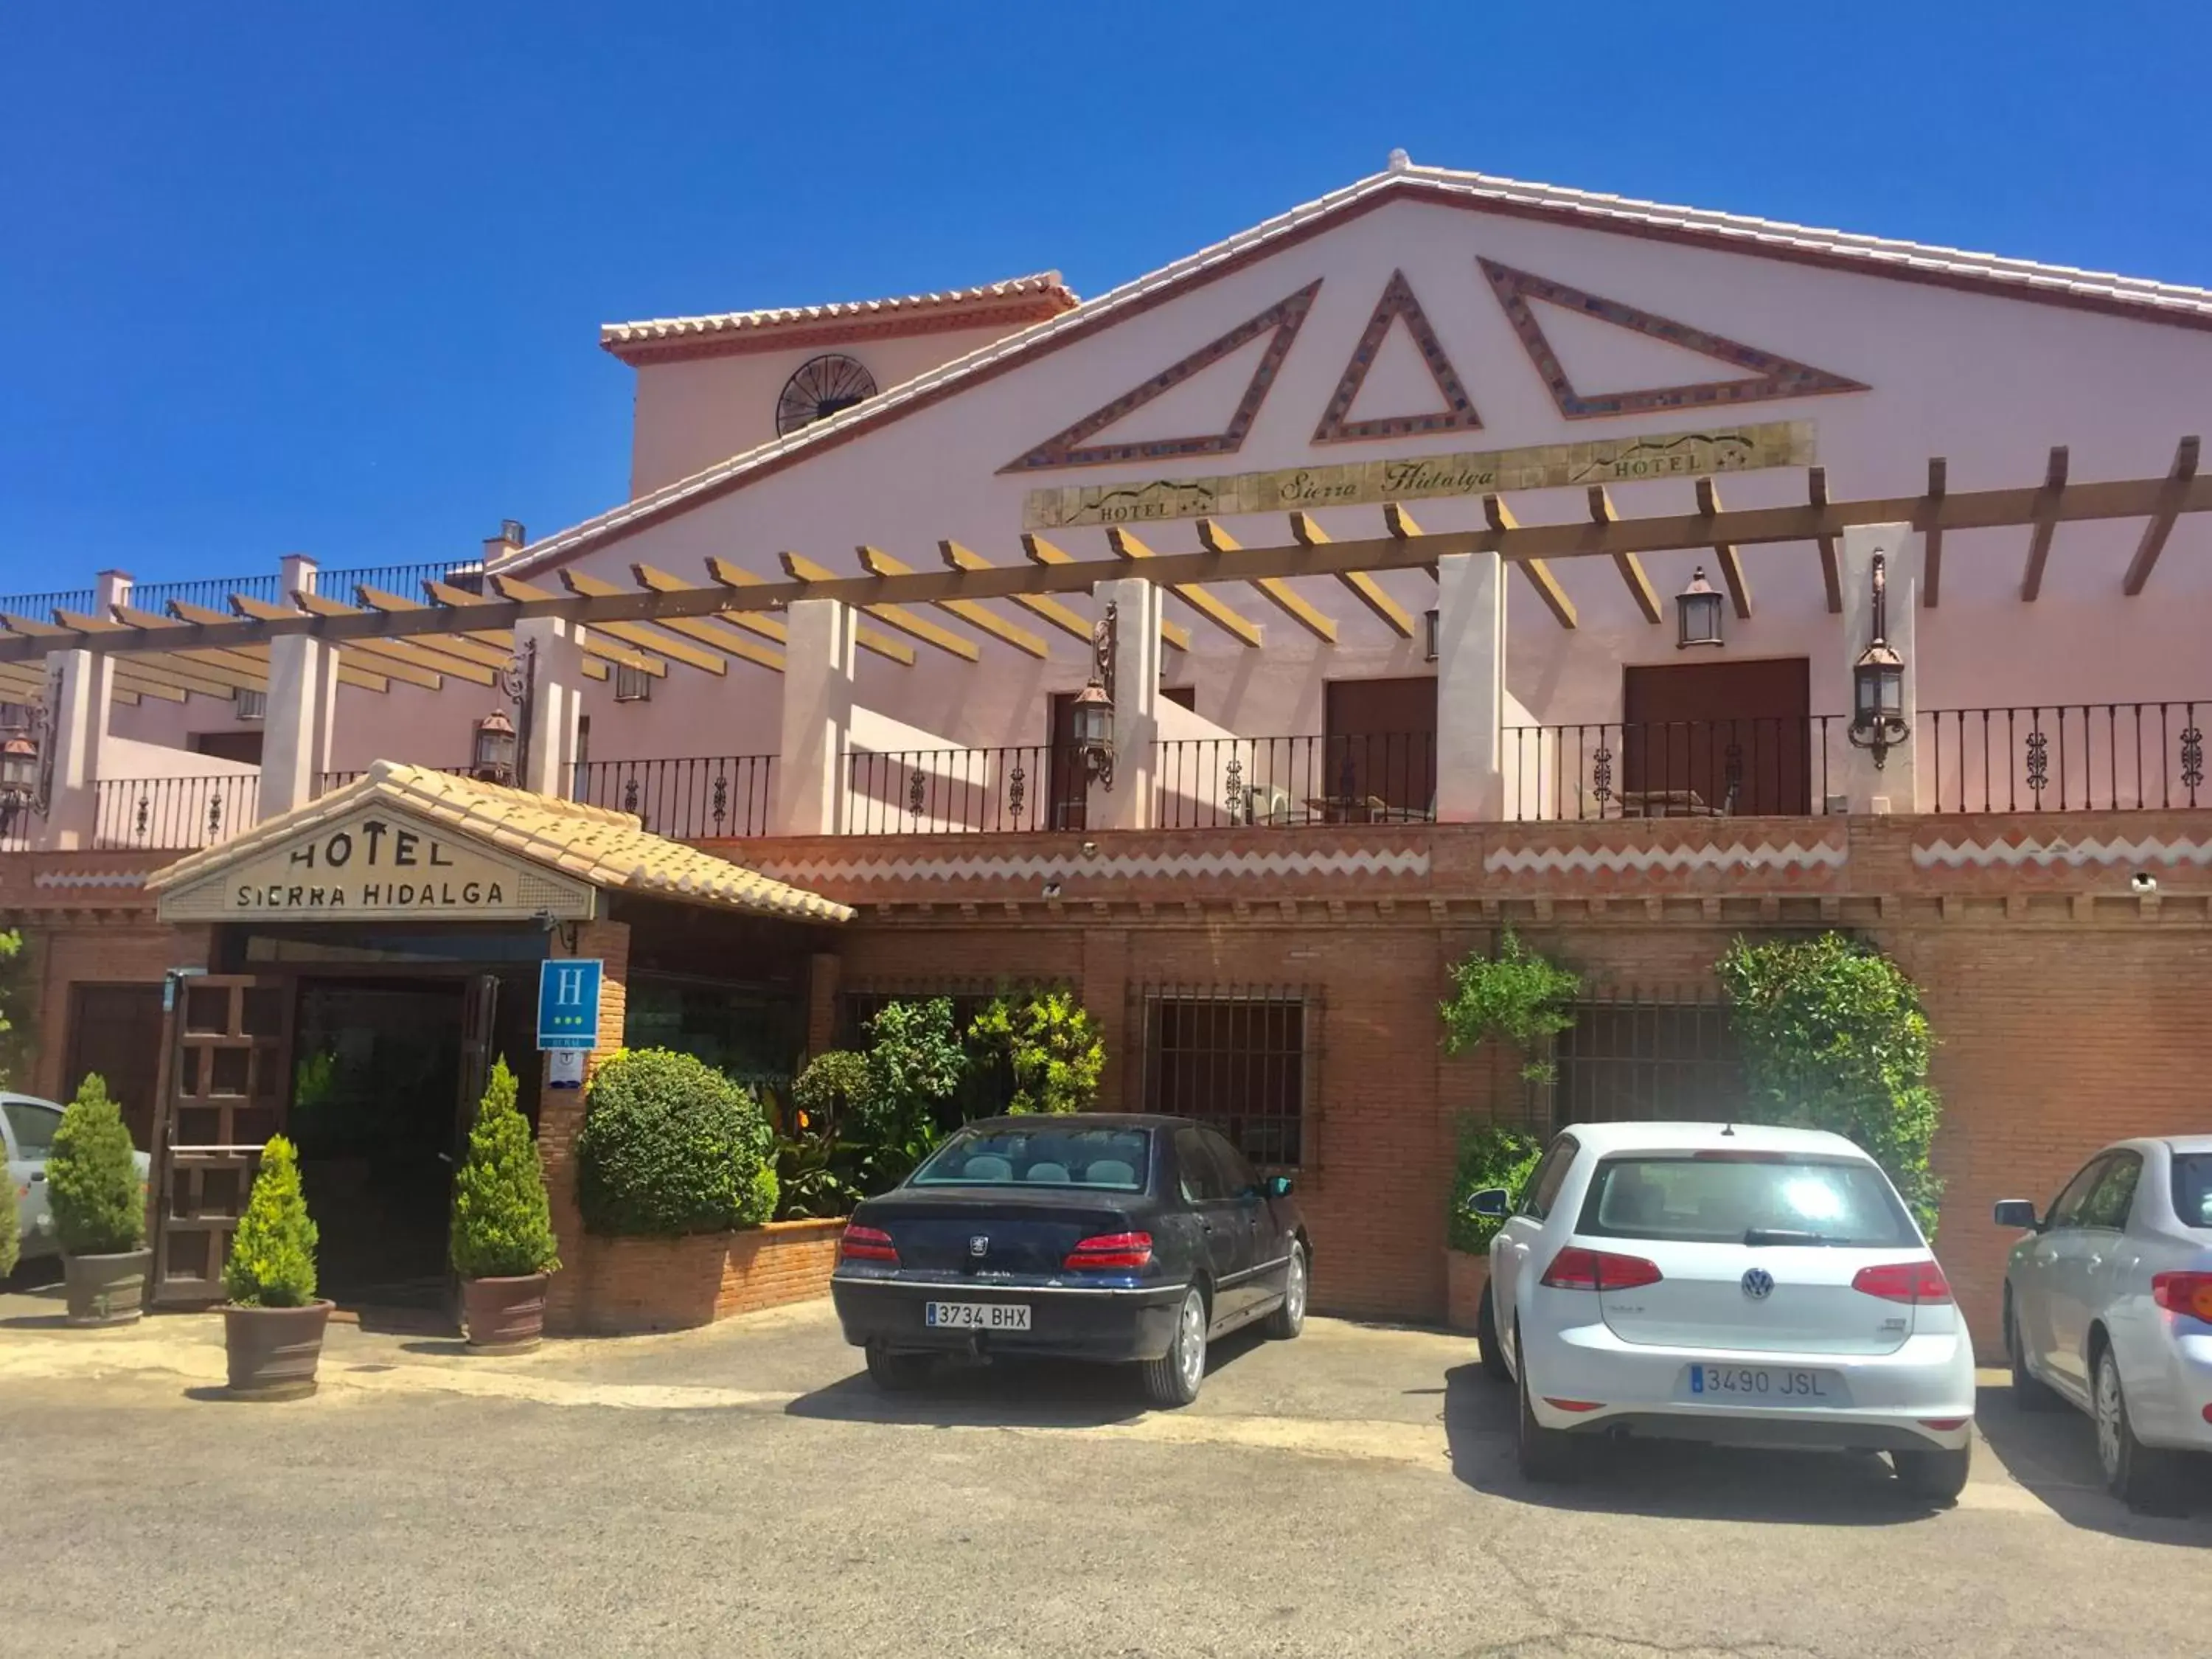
{"x": 26, "y": 1131}
{"x": 2108, "y": 1307}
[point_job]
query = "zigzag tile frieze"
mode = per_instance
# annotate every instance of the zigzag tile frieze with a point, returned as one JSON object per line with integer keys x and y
{"x": 90, "y": 879}
{"x": 2062, "y": 853}
{"x": 1622, "y": 860}
{"x": 1002, "y": 867}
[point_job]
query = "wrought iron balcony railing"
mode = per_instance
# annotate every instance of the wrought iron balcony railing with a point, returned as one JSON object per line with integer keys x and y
{"x": 1672, "y": 768}
{"x": 174, "y": 814}
{"x": 693, "y": 798}
{"x": 1382, "y": 777}
{"x": 2068, "y": 757}
{"x": 940, "y": 791}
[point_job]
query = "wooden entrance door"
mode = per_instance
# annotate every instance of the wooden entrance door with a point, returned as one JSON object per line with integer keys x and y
{"x": 116, "y": 1030}
{"x": 227, "y": 1087}
{"x": 1717, "y": 738}
{"x": 1379, "y": 757}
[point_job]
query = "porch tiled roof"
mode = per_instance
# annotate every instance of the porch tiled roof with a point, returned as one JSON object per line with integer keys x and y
{"x": 1036, "y": 297}
{"x": 595, "y": 844}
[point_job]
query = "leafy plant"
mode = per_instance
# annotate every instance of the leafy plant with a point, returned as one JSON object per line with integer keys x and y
{"x": 812, "y": 1178}
{"x": 1833, "y": 1037}
{"x": 11, "y": 1239}
{"x": 272, "y": 1258}
{"x": 836, "y": 1088}
{"x": 1517, "y": 997}
{"x": 93, "y": 1189}
{"x": 671, "y": 1146}
{"x": 503, "y": 1224}
{"x": 1051, "y": 1044}
{"x": 914, "y": 1066}
{"x": 17, "y": 995}
{"x": 1489, "y": 1155}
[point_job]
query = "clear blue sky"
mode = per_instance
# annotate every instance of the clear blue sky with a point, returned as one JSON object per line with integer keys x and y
{"x": 327, "y": 277}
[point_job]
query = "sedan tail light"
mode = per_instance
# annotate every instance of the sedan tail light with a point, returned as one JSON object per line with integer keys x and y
{"x": 1578, "y": 1269}
{"x": 867, "y": 1244}
{"x": 1903, "y": 1281}
{"x": 1110, "y": 1250}
{"x": 2183, "y": 1293}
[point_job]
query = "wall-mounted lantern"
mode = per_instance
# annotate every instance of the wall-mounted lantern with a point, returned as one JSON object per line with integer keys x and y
{"x": 501, "y": 749}
{"x": 25, "y": 777}
{"x": 1878, "y": 722}
{"x": 1094, "y": 704}
{"x": 1429, "y": 622}
{"x": 1697, "y": 613}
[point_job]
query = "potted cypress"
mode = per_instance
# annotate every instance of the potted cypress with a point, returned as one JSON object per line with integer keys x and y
{"x": 272, "y": 1326}
{"x": 98, "y": 1199}
{"x": 502, "y": 1238}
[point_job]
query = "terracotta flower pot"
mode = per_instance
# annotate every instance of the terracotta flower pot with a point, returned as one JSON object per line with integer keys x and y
{"x": 1466, "y": 1278}
{"x": 106, "y": 1290}
{"x": 505, "y": 1315}
{"x": 273, "y": 1351}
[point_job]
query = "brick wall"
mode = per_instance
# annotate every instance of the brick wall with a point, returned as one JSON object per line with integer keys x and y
{"x": 135, "y": 951}
{"x": 627, "y": 1285}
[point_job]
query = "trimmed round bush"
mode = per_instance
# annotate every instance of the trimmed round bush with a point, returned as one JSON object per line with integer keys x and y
{"x": 98, "y": 1204}
{"x": 272, "y": 1258}
{"x": 502, "y": 1226}
{"x": 671, "y": 1146}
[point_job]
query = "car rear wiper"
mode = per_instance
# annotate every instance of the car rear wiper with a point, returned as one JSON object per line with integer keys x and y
{"x": 1784, "y": 1236}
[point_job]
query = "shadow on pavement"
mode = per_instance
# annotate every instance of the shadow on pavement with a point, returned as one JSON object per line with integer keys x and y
{"x": 1007, "y": 1392}
{"x": 2053, "y": 1454}
{"x": 1671, "y": 1479}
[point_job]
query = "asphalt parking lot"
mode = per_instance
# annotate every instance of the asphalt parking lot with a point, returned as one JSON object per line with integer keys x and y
{"x": 743, "y": 1490}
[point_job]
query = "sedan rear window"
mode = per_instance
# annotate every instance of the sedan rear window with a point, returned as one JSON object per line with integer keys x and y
{"x": 1110, "y": 1160}
{"x": 2192, "y": 1188}
{"x": 1745, "y": 1198}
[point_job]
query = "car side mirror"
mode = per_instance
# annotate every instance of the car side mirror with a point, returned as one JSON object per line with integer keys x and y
{"x": 1491, "y": 1203}
{"x": 2019, "y": 1212}
{"x": 1276, "y": 1186}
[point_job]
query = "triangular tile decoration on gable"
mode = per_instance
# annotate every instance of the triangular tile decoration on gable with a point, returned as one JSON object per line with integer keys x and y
{"x": 1285, "y": 317}
{"x": 1458, "y": 413}
{"x": 1772, "y": 376}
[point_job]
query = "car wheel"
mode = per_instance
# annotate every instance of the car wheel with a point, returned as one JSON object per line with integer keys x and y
{"x": 897, "y": 1373}
{"x": 1485, "y": 1340}
{"x": 2138, "y": 1476}
{"x": 2029, "y": 1393}
{"x": 1290, "y": 1317}
{"x": 1936, "y": 1475}
{"x": 1546, "y": 1455}
{"x": 1174, "y": 1379}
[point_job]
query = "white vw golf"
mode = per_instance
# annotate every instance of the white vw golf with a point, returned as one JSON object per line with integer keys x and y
{"x": 1724, "y": 1283}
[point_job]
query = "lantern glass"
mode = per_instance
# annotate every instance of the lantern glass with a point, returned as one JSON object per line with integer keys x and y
{"x": 1697, "y": 613}
{"x": 1881, "y": 688}
{"x": 1431, "y": 621}
{"x": 1094, "y": 717}
{"x": 18, "y": 763}
{"x": 495, "y": 746}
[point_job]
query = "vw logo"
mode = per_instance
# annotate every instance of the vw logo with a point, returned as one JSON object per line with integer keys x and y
{"x": 1758, "y": 1284}
{"x": 980, "y": 1244}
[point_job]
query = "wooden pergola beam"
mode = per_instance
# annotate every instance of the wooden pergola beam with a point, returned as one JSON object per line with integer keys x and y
{"x": 599, "y": 641}
{"x": 662, "y": 582}
{"x": 1042, "y": 554}
{"x": 1939, "y": 479}
{"x": 912, "y": 623}
{"x": 1831, "y": 566}
{"x": 1362, "y": 586}
{"x": 1731, "y": 561}
{"x": 433, "y": 651}
{"x": 1276, "y": 591}
{"x": 1231, "y": 623}
{"x": 251, "y": 671}
{"x": 470, "y": 648}
{"x": 1630, "y": 566}
{"x": 729, "y": 576}
{"x": 2046, "y": 525}
{"x": 2166, "y": 510}
{"x": 977, "y": 615}
{"x": 350, "y": 671}
{"x": 661, "y": 640}
{"x": 1500, "y": 517}
{"x": 957, "y": 557}
{"x": 1931, "y": 514}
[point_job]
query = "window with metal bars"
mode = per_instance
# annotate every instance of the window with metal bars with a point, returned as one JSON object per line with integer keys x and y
{"x": 1237, "y": 1058}
{"x": 632, "y": 684}
{"x": 1641, "y": 1056}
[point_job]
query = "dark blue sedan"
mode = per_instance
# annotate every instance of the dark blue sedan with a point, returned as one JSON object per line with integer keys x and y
{"x": 1102, "y": 1237}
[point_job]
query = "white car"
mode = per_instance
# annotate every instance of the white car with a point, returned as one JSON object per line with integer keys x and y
{"x": 26, "y": 1135}
{"x": 2108, "y": 1306}
{"x": 1724, "y": 1283}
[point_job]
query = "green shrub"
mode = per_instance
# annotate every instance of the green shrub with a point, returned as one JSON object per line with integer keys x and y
{"x": 1834, "y": 1037}
{"x": 93, "y": 1189}
{"x": 760, "y": 1197}
{"x": 272, "y": 1258}
{"x": 670, "y": 1147}
{"x": 1518, "y": 998}
{"x": 1489, "y": 1155}
{"x": 914, "y": 1063}
{"x": 11, "y": 1239}
{"x": 835, "y": 1089}
{"x": 502, "y": 1226}
{"x": 1051, "y": 1043}
{"x": 18, "y": 995}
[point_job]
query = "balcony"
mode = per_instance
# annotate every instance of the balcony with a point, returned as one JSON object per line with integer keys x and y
{"x": 177, "y": 814}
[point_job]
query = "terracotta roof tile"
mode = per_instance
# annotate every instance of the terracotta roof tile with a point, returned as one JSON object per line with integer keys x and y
{"x": 607, "y": 848}
{"x": 1043, "y": 292}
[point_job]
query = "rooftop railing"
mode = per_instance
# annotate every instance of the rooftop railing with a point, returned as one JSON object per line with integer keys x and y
{"x": 38, "y": 607}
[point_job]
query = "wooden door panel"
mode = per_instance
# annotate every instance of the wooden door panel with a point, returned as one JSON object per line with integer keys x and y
{"x": 1380, "y": 745}
{"x": 1728, "y": 737}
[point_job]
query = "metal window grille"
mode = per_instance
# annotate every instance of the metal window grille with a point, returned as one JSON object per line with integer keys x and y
{"x": 251, "y": 702}
{"x": 632, "y": 684}
{"x": 1238, "y": 1058}
{"x": 1637, "y": 1056}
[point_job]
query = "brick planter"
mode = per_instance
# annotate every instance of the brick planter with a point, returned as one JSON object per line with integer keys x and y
{"x": 1465, "y": 1277}
{"x": 628, "y": 1285}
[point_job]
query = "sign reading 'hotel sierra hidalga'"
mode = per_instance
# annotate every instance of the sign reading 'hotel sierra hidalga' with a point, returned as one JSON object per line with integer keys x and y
{"x": 379, "y": 865}
{"x": 1540, "y": 466}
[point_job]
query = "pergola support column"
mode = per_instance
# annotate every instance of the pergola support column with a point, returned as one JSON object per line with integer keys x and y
{"x": 1129, "y": 804}
{"x": 557, "y": 703}
{"x": 1894, "y": 786}
{"x": 1470, "y": 688}
{"x": 302, "y": 707}
{"x": 808, "y": 795}
{"x": 79, "y": 690}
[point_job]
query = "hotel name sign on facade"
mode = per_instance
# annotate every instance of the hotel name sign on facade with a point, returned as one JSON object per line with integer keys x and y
{"x": 1541, "y": 466}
